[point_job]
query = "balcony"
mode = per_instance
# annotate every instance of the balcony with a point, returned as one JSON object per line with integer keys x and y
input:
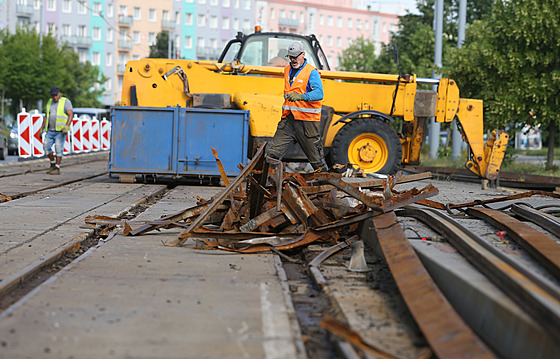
{"x": 167, "y": 25}
{"x": 284, "y": 21}
{"x": 125, "y": 44}
{"x": 71, "y": 40}
{"x": 83, "y": 41}
{"x": 125, "y": 21}
{"x": 207, "y": 53}
{"x": 24, "y": 9}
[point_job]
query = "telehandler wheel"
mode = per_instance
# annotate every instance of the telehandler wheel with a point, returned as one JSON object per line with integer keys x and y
{"x": 368, "y": 143}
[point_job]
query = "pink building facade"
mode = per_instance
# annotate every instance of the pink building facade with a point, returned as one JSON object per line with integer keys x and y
{"x": 336, "y": 23}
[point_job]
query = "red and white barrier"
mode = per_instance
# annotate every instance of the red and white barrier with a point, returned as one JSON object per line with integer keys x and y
{"x": 86, "y": 135}
{"x": 94, "y": 135}
{"x": 105, "y": 133}
{"x": 76, "y": 135}
{"x": 37, "y": 139}
{"x": 25, "y": 145}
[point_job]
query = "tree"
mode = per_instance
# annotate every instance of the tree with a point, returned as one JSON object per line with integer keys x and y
{"x": 30, "y": 67}
{"x": 512, "y": 61}
{"x": 160, "y": 48}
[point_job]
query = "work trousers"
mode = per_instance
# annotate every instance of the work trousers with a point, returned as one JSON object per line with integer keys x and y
{"x": 306, "y": 133}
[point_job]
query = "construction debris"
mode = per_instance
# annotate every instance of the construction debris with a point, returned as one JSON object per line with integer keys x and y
{"x": 265, "y": 209}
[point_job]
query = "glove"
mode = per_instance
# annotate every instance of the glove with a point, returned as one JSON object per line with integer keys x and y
{"x": 294, "y": 96}
{"x": 64, "y": 130}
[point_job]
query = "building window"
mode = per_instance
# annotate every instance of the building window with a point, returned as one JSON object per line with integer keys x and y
{"x": 202, "y": 2}
{"x": 272, "y": 13}
{"x": 384, "y": 28}
{"x": 188, "y": 42}
{"x": 81, "y": 7}
{"x": 358, "y": 24}
{"x": 165, "y": 15}
{"x": 136, "y": 37}
{"x": 301, "y": 17}
{"x": 226, "y": 3}
{"x": 51, "y": 5}
{"x": 67, "y": 6}
{"x": 110, "y": 10}
{"x": 151, "y": 38}
{"x": 177, "y": 18}
{"x": 109, "y": 59}
{"x": 339, "y": 22}
{"x": 311, "y": 21}
{"x": 225, "y": 23}
{"x": 235, "y": 24}
{"x": 152, "y": 15}
{"x": 66, "y": 30}
{"x": 282, "y": 13}
{"x": 37, "y": 4}
{"x": 349, "y": 23}
{"x": 201, "y": 42}
{"x": 214, "y": 2}
{"x": 367, "y": 25}
{"x": 110, "y": 35}
{"x": 82, "y": 31}
{"x": 97, "y": 8}
{"x": 213, "y": 44}
{"x": 246, "y": 26}
{"x": 329, "y": 21}
{"x": 137, "y": 13}
{"x": 338, "y": 41}
{"x": 108, "y": 84}
{"x": 349, "y": 42}
{"x": 96, "y": 33}
{"x": 236, "y": 4}
{"x": 51, "y": 28}
{"x": 177, "y": 43}
{"x": 189, "y": 1}
{"x": 135, "y": 57}
{"x": 188, "y": 18}
{"x": 123, "y": 11}
{"x": 96, "y": 58}
{"x": 83, "y": 55}
{"x": 213, "y": 22}
{"x": 201, "y": 20}
{"x": 292, "y": 15}
{"x": 120, "y": 84}
{"x": 329, "y": 40}
{"x": 321, "y": 20}
{"x": 247, "y": 5}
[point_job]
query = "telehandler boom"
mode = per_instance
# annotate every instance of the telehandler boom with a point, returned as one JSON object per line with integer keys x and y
{"x": 358, "y": 108}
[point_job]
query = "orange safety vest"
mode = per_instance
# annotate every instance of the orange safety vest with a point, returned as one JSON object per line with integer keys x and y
{"x": 302, "y": 110}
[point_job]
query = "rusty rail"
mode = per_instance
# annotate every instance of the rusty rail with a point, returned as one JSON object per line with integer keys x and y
{"x": 545, "y": 220}
{"x": 543, "y": 248}
{"x": 445, "y": 330}
{"x": 537, "y": 301}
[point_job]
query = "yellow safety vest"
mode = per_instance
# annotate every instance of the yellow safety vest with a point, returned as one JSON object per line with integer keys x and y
{"x": 61, "y": 116}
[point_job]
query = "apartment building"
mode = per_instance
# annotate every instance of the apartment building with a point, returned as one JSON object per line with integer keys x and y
{"x": 109, "y": 33}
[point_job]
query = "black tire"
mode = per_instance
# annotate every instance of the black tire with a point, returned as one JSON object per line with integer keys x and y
{"x": 368, "y": 143}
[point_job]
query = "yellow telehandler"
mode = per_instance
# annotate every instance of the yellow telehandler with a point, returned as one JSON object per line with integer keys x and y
{"x": 358, "y": 108}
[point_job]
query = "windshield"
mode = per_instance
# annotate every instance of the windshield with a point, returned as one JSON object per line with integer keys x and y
{"x": 271, "y": 51}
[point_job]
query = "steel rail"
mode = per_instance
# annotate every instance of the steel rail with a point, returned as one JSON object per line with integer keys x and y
{"x": 538, "y": 302}
{"x": 545, "y": 220}
{"x": 443, "y": 327}
{"x": 543, "y": 248}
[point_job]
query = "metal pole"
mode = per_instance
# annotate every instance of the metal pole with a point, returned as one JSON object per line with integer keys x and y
{"x": 438, "y": 30}
{"x": 456, "y": 139}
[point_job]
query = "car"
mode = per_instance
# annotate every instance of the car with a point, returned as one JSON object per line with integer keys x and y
{"x": 13, "y": 139}
{"x": 89, "y": 113}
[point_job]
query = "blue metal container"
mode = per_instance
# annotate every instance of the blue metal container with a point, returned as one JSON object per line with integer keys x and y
{"x": 176, "y": 141}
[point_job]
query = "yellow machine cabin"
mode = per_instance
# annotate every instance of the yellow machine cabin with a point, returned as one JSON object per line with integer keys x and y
{"x": 358, "y": 108}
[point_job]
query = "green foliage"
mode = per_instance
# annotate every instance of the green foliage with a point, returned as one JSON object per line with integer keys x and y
{"x": 512, "y": 61}
{"x": 29, "y": 69}
{"x": 160, "y": 49}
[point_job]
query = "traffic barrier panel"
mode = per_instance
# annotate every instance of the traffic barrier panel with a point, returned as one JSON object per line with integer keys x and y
{"x": 105, "y": 132}
{"x": 94, "y": 137}
{"x": 25, "y": 145}
{"x": 76, "y": 135}
{"x": 67, "y": 145}
{"x": 86, "y": 135}
{"x": 37, "y": 139}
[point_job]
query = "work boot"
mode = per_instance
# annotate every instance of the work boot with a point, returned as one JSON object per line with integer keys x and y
{"x": 51, "y": 168}
{"x": 54, "y": 171}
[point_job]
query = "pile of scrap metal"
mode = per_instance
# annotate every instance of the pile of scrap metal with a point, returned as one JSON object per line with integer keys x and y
{"x": 294, "y": 210}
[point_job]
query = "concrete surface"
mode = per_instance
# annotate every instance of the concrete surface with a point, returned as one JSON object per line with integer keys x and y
{"x": 133, "y": 297}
